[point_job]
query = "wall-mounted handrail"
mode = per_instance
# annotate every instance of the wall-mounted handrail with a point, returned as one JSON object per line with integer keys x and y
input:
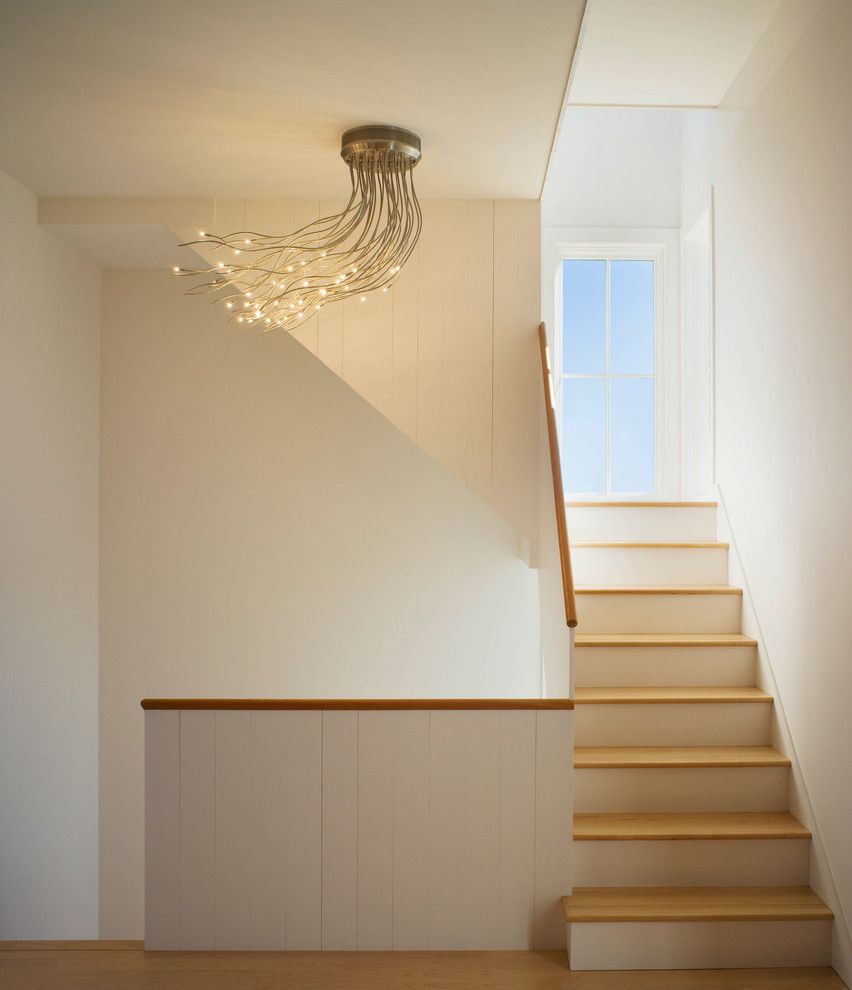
{"x": 558, "y": 490}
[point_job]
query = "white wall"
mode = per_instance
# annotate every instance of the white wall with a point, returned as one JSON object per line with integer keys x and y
{"x": 615, "y": 168}
{"x": 48, "y": 579}
{"x": 783, "y": 203}
{"x": 265, "y": 531}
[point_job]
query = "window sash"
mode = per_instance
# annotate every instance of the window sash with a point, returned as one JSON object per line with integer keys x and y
{"x": 607, "y": 375}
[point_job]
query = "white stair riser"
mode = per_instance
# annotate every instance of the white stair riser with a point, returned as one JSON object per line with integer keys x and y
{"x": 622, "y": 613}
{"x": 706, "y": 724}
{"x": 626, "y": 566}
{"x": 642, "y": 523}
{"x": 677, "y": 789}
{"x": 624, "y": 666}
{"x": 698, "y": 944}
{"x": 691, "y": 863}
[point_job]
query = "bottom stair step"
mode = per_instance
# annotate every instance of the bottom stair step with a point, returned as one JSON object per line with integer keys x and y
{"x": 694, "y": 904}
{"x": 696, "y": 927}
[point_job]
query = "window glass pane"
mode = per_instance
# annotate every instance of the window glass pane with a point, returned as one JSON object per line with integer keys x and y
{"x": 632, "y": 434}
{"x": 584, "y": 434}
{"x": 632, "y": 317}
{"x": 584, "y": 317}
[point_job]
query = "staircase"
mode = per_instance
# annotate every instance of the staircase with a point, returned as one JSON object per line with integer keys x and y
{"x": 685, "y": 855}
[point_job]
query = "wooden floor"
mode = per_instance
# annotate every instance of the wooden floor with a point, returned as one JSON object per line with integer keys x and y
{"x": 123, "y": 966}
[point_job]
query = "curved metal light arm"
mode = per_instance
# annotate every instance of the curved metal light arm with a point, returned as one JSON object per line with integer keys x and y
{"x": 279, "y": 281}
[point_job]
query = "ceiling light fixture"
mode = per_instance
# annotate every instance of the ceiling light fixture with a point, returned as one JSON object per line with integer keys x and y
{"x": 359, "y": 250}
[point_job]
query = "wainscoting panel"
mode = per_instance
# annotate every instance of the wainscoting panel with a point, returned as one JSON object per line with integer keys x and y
{"x": 367, "y": 829}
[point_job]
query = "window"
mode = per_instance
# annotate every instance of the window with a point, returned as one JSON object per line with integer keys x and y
{"x": 609, "y": 393}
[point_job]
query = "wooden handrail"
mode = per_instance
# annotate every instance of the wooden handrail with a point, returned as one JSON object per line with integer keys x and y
{"x": 558, "y": 490}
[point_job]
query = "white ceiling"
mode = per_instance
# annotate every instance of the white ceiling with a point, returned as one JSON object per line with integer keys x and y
{"x": 665, "y": 52}
{"x": 183, "y": 98}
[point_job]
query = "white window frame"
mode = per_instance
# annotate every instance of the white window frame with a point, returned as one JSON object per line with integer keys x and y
{"x": 596, "y": 251}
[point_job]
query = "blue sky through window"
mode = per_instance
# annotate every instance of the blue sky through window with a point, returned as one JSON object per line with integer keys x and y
{"x": 608, "y": 367}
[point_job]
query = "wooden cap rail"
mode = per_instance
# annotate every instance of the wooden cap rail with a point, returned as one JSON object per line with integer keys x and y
{"x": 358, "y": 704}
{"x": 558, "y": 489}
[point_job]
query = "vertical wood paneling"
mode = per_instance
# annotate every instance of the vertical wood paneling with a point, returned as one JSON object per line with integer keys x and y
{"x": 517, "y": 829}
{"x": 162, "y": 830}
{"x": 406, "y": 331}
{"x": 197, "y": 829}
{"x": 233, "y": 840}
{"x": 370, "y": 830}
{"x": 478, "y": 345}
{"x": 410, "y": 836}
{"x": 430, "y": 308}
{"x": 447, "y": 812}
{"x": 375, "y": 830}
{"x": 455, "y": 395}
{"x": 516, "y": 398}
{"x": 553, "y": 810}
{"x": 368, "y": 348}
{"x": 265, "y": 813}
{"x": 302, "y": 743}
{"x": 481, "y": 830}
{"x": 339, "y": 830}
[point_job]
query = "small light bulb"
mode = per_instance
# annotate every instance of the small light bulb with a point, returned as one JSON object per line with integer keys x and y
{"x": 246, "y": 241}
{"x": 385, "y": 289}
{"x": 317, "y": 306}
{"x": 275, "y": 302}
{"x": 363, "y": 298}
{"x": 354, "y": 269}
{"x": 322, "y": 254}
{"x": 289, "y": 268}
{"x": 305, "y": 282}
{"x": 221, "y": 264}
{"x": 239, "y": 319}
{"x": 268, "y": 321}
{"x": 176, "y": 268}
{"x": 236, "y": 250}
{"x": 229, "y": 305}
{"x": 301, "y": 315}
{"x": 201, "y": 233}
{"x": 247, "y": 295}
{"x": 246, "y": 305}
{"x": 302, "y": 264}
{"x": 323, "y": 292}
{"x": 301, "y": 302}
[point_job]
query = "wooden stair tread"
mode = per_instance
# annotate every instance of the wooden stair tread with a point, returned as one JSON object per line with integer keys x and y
{"x": 694, "y": 904}
{"x": 622, "y": 826}
{"x": 640, "y": 505}
{"x": 663, "y": 639}
{"x": 669, "y": 695}
{"x": 669, "y": 589}
{"x": 653, "y": 545}
{"x": 610, "y": 757}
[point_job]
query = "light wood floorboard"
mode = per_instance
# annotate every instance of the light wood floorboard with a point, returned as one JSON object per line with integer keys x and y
{"x": 133, "y": 969}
